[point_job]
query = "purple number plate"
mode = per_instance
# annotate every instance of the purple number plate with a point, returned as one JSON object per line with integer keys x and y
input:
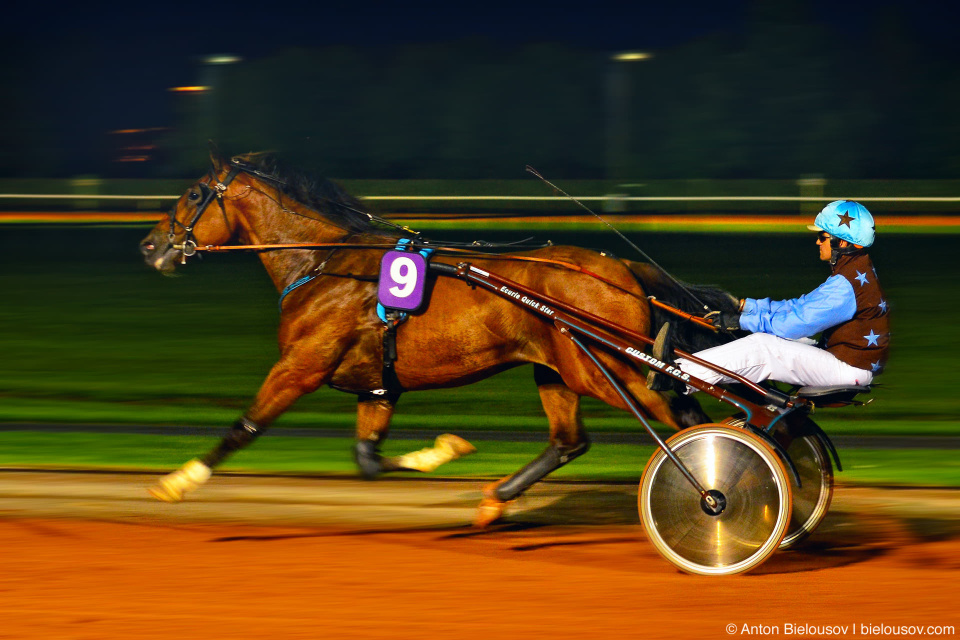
{"x": 402, "y": 278}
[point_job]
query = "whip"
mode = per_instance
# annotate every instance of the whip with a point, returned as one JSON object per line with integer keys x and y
{"x": 623, "y": 237}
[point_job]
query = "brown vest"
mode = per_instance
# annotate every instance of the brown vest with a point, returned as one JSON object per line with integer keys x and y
{"x": 864, "y": 340}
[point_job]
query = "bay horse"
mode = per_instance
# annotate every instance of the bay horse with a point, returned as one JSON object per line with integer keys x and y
{"x": 330, "y": 332}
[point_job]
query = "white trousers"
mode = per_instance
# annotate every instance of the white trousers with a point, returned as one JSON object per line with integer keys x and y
{"x": 762, "y": 356}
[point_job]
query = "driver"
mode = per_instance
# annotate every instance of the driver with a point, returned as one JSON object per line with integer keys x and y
{"x": 849, "y": 308}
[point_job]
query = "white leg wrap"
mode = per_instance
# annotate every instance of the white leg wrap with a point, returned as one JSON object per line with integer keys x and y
{"x": 446, "y": 448}
{"x": 172, "y": 487}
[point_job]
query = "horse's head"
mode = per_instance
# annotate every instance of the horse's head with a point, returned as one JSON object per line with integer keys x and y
{"x": 199, "y": 218}
{"x": 267, "y": 202}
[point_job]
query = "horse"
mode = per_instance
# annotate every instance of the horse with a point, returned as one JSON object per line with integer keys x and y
{"x": 330, "y": 332}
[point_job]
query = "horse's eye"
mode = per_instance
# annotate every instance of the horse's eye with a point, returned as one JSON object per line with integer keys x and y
{"x": 193, "y": 196}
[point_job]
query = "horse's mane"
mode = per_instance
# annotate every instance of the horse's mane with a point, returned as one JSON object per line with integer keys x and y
{"x": 323, "y": 195}
{"x": 686, "y": 336}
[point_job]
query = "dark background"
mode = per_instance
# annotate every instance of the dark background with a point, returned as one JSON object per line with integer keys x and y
{"x": 743, "y": 89}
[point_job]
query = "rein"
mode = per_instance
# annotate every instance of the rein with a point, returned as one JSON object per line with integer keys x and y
{"x": 452, "y": 251}
{"x": 439, "y": 250}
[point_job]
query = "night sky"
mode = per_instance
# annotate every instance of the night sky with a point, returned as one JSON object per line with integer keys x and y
{"x": 98, "y": 67}
{"x": 135, "y": 51}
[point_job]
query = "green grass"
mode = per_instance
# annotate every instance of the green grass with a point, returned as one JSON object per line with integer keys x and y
{"x": 91, "y": 334}
{"x": 597, "y": 417}
{"x": 332, "y": 456}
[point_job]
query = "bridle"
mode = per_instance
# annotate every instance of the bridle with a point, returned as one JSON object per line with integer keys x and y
{"x": 208, "y": 192}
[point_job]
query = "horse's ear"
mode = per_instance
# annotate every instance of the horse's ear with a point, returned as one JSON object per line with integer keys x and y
{"x": 253, "y": 157}
{"x": 215, "y": 159}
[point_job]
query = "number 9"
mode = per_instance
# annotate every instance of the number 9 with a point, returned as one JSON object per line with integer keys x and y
{"x": 403, "y": 271}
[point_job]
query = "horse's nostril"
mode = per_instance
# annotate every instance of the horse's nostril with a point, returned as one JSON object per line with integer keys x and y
{"x": 148, "y": 246}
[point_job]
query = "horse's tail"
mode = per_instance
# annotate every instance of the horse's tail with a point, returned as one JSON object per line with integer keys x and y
{"x": 687, "y": 336}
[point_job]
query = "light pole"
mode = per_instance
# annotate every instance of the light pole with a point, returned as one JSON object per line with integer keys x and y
{"x": 211, "y": 77}
{"x": 197, "y": 117}
{"x": 618, "y": 101}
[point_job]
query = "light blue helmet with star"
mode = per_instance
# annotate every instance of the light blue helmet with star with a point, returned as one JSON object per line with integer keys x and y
{"x": 847, "y": 220}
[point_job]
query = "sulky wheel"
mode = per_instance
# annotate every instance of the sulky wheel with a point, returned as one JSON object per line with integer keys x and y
{"x": 751, "y": 484}
{"x": 811, "y": 500}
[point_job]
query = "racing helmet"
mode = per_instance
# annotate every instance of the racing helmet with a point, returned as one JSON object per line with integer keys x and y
{"x": 847, "y": 220}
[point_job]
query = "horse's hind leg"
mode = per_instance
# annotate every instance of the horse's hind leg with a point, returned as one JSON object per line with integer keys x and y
{"x": 562, "y": 406}
{"x": 373, "y": 422}
{"x": 568, "y": 440}
{"x": 688, "y": 411}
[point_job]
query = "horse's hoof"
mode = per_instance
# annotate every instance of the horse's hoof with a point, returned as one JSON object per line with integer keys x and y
{"x": 446, "y": 448}
{"x": 491, "y": 507}
{"x": 172, "y": 487}
{"x": 489, "y": 511}
{"x": 454, "y": 445}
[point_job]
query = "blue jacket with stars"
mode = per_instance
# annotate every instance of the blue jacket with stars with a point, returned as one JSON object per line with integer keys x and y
{"x": 849, "y": 309}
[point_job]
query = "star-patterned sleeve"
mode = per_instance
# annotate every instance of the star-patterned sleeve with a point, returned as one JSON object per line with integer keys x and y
{"x": 826, "y": 306}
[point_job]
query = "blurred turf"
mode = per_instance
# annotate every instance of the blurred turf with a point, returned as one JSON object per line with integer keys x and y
{"x": 494, "y": 459}
{"x": 91, "y": 335}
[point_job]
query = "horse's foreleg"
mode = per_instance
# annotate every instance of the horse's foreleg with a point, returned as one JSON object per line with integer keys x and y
{"x": 283, "y": 386}
{"x": 189, "y": 477}
{"x": 568, "y": 440}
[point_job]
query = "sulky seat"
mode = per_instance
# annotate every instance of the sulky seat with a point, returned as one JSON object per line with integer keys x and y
{"x": 833, "y": 396}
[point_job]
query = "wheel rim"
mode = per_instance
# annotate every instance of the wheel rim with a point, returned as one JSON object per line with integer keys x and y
{"x": 751, "y": 478}
{"x": 811, "y": 500}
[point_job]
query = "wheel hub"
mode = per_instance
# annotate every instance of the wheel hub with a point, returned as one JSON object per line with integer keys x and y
{"x": 713, "y": 502}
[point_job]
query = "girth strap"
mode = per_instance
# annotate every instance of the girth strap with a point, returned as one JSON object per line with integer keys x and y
{"x": 393, "y": 318}
{"x": 389, "y": 379}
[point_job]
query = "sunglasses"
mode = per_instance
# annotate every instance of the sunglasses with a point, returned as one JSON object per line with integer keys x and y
{"x": 823, "y": 236}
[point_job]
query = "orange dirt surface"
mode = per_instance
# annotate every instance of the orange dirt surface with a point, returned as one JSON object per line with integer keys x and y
{"x": 92, "y": 556}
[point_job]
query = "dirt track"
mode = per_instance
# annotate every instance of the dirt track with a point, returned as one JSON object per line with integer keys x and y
{"x": 92, "y": 556}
